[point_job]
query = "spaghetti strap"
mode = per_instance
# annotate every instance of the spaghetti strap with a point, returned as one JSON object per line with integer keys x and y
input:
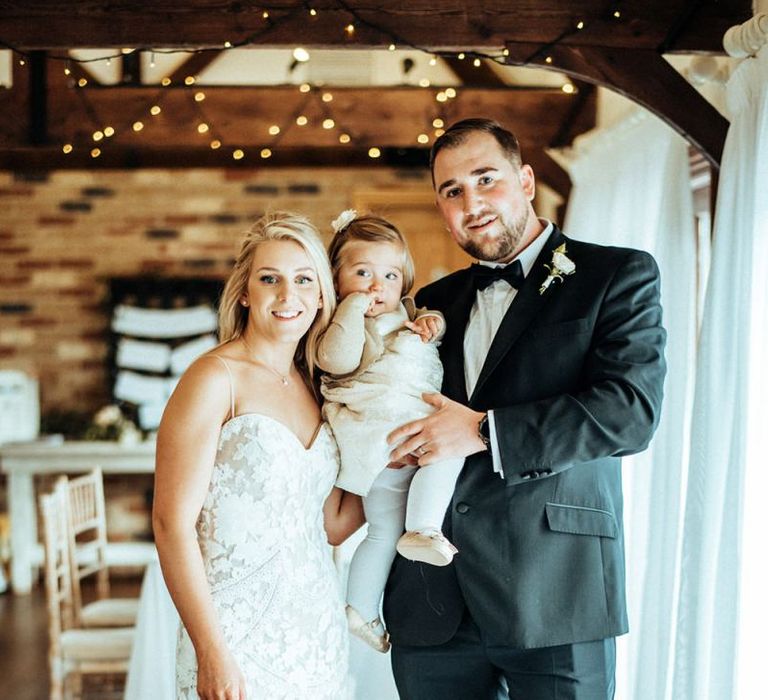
{"x": 231, "y": 384}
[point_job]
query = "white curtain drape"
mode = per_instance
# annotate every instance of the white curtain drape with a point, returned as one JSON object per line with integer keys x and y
{"x": 632, "y": 188}
{"x": 726, "y": 520}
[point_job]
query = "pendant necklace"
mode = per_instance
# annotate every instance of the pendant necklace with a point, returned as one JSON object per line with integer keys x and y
{"x": 283, "y": 378}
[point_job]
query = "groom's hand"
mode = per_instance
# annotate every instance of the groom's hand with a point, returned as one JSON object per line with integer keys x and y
{"x": 450, "y": 432}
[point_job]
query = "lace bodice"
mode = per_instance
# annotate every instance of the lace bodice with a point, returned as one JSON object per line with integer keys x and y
{"x": 269, "y": 565}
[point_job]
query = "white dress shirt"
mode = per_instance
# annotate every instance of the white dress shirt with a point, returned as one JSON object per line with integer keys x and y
{"x": 490, "y": 307}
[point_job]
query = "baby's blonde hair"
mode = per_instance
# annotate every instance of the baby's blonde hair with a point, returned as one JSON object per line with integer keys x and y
{"x": 377, "y": 230}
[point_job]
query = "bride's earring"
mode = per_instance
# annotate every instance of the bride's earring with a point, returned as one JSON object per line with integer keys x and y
{"x": 244, "y": 301}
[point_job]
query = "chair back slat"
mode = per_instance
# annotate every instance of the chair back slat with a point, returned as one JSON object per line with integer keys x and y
{"x": 58, "y": 577}
{"x": 87, "y": 531}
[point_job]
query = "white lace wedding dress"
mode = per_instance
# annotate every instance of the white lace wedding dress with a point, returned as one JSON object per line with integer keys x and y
{"x": 269, "y": 566}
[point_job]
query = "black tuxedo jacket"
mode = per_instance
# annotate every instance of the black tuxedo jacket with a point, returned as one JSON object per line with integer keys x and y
{"x": 575, "y": 378}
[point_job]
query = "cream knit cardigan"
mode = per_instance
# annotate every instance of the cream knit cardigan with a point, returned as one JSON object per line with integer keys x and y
{"x": 376, "y": 371}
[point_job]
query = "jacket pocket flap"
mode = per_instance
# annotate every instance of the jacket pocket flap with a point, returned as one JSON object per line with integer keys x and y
{"x": 560, "y": 330}
{"x": 579, "y": 520}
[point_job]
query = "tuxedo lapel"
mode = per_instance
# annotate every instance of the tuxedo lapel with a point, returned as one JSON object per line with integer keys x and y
{"x": 522, "y": 311}
{"x": 452, "y": 351}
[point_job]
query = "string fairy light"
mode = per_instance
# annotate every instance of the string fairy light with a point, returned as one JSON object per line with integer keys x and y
{"x": 350, "y": 27}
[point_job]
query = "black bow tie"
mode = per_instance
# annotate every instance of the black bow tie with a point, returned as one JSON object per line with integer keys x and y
{"x": 483, "y": 275}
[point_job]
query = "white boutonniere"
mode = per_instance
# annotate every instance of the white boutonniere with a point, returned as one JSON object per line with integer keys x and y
{"x": 560, "y": 266}
{"x": 343, "y": 220}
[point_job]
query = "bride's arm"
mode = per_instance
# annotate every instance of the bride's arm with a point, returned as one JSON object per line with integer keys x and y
{"x": 186, "y": 450}
{"x": 343, "y": 515}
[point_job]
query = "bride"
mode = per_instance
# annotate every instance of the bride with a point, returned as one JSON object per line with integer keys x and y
{"x": 244, "y": 500}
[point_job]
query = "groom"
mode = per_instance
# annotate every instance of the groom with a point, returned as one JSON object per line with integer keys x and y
{"x": 554, "y": 368}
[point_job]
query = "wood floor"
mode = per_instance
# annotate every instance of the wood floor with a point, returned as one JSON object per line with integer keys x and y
{"x": 24, "y": 647}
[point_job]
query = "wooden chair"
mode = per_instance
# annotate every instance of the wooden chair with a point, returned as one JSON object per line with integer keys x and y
{"x": 87, "y": 532}
{"x": 73, "y": 651}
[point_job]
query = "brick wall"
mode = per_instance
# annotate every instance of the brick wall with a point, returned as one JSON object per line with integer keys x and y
{"x": 65, "y": 234}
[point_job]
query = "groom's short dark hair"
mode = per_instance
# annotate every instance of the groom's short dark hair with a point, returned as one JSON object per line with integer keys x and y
{"x": 457, "y": 133}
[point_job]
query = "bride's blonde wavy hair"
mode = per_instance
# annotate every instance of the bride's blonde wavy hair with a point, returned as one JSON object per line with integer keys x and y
{"x": 279, "y": 226}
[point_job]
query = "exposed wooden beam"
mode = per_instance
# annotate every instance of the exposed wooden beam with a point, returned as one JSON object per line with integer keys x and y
{"x": 244, "y": 115}
{"x": 131, "y": 69}
{"x": 14, "y": 106}
{"x": 37, "y": 113}
{"x": 451, "y": 25}
{"x": 642, "y": 76}
{"x": 584, "y": 106}
{"x": 128, "y": 157}
{"x": 477, "y": 76}
{"x": 193, "y": 66}
{"x": 241, "y": 117}
{"x": 547, "y": 170}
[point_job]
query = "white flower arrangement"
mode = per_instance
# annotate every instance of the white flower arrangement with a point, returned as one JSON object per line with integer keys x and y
{"x": 343, "y": 220}
{"x": 107, "y": 416}
{"x": 109, "y": 423}
{"x": 560, "y": 266}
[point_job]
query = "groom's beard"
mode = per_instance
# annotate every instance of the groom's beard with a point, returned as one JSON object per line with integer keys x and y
{"x": 499, "y": 248}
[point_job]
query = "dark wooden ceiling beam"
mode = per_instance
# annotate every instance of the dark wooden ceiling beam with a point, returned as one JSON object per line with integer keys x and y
{"x": 37, "y": 107}
{"x": 477, "y": 76}
{"x": 547, "y": 170}
{"x": 244, "y": 115}
{"x": 130, "y": 73}
{"x": 14, "y": 114}
{"x": 241, "y": 117}
{"x": 193, "y": 66}
{"x": 584, "y": 107}
{"x": 644, "y": 77}
{"x": 451, "y": 25}
{"x": 117, "y": 156}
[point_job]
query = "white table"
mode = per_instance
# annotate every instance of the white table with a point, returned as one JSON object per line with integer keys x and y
{"x": 22, "y": 462}
{"x": 152, "y": 668}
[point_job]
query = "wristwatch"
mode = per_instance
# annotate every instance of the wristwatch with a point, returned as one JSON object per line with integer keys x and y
{"x": 484, "y": 431}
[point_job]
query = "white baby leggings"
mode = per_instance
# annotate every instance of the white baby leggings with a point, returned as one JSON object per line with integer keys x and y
{"x": 389, "y": 505}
